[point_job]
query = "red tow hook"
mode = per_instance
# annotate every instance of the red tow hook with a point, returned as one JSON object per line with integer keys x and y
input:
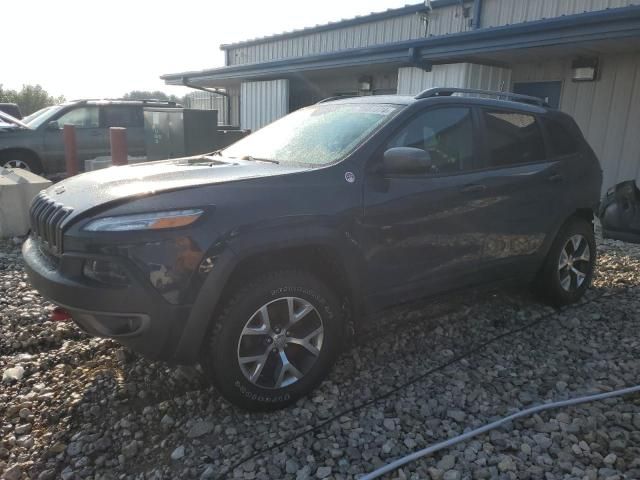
{"x": 59, "y": 314}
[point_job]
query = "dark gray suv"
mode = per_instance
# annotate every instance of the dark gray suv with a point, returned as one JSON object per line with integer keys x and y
{"x": 37, "y": 145}
{"x": 258, "y": 260}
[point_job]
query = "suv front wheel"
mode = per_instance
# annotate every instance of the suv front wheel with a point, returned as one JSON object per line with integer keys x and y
{"x": 20, "y": 160}
{"x": 275, "y": 340}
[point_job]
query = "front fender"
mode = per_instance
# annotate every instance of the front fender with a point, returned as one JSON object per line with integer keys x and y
{"x": 241, "y": 245}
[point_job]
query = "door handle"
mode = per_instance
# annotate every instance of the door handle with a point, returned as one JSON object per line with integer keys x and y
{"x": 474, "y": 188}
{"x": 556, "y": 178}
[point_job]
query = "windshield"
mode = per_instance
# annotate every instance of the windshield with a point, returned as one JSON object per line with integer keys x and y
{"x": 316, "y": 135}
{"x": 38, "y": 118}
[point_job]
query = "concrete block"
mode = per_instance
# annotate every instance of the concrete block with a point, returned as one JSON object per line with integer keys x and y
{"x": 17, "y": 189}
{"x": 97, "y": 163}
{"x": 105, "y": 162}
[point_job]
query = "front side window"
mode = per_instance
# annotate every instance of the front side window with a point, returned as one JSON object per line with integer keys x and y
{"x": 445, "y": 133}
{"x": 126, "y": 116}
{"x": 83, "y": 117}
{"x": 316, "y": 135}
{"x": 513, "y": 138}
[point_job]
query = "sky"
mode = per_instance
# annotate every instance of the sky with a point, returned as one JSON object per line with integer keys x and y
{"x": 99, "y": 48}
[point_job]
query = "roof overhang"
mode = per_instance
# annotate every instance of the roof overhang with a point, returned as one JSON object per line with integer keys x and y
{"x": 571, "y": 29}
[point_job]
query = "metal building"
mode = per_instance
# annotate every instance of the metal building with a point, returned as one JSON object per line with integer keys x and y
{"x": 583, "y": 56}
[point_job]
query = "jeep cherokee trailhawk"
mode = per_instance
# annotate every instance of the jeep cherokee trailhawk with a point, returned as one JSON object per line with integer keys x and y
{"x": 255, "y": 260}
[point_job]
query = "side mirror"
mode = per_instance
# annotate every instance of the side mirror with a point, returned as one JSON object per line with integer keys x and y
{"x": 406, "y": 161}
{"x": 53, "y": 125}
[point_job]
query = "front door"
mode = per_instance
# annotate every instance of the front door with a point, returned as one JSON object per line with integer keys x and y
{"x": 90, "y": 137}
{"x": 548, "y": 91}
{"x": 423, "y": 233}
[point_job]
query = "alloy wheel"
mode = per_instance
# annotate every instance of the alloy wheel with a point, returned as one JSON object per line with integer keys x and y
{"x": 280, "y": 343}
{"x": 16, "y": 164}
{"x": 575, "y": 263}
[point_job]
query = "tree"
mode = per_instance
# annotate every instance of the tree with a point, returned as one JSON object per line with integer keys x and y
{"x": 30, "y": 98}
{"x": 156, "y": 95}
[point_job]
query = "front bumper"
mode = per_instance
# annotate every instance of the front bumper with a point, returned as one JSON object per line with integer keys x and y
{"x": 137, "y": 315}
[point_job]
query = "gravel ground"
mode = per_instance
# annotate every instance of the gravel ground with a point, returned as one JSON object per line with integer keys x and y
{"x": 86, "y": 408}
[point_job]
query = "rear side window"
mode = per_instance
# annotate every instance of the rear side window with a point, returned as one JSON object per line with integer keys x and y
{"x": 122, "y": 116}
{"x": 563, "y": 142}
{"x": 513, "y": 138}
{"x": 446, "y": 133}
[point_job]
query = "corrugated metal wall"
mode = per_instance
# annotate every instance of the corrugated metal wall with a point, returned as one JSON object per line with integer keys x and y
{"x": 413, "y": 80}
{"x": 234, "y": 100}
{"x": 309, "y": 90}
{"x": 263, "y": 102}
{"x": 208, "y": 101}
{"x": 406, "y": 27}
{"x": 507, "y": 12}
{"x": 384, "y": 31}
{"x": 608, "y": 110}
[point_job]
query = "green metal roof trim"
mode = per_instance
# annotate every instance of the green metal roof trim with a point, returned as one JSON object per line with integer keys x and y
{"x": 600, "y": 25}
{"x": 371, "y": 17}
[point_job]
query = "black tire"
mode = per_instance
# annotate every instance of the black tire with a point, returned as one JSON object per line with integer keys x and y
{"x": 551, "y": 277}
{"x": 224, "y": 346}
{"x": 21, "y": 160}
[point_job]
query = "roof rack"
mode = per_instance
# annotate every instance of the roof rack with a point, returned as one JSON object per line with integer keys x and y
{"x": 337, "y": 97}
{"x": 447, "y": 92}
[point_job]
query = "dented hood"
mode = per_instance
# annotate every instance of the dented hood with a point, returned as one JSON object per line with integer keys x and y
{"x": 91, "y": 189}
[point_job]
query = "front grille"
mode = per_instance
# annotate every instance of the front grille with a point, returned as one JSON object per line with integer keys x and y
{"x": 46, "y": 222}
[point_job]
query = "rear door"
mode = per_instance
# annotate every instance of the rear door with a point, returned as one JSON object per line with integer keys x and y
{"x": 525, "y": 184}
{"x": 425, "y": 233}
{"x": 129, "y": 117}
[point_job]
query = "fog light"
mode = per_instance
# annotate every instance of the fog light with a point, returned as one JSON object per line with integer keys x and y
{"x": 104, "y": 271}
{"x": 110, "y": 325}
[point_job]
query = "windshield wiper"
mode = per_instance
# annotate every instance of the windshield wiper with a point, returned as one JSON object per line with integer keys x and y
{"x": 254, "y": 159}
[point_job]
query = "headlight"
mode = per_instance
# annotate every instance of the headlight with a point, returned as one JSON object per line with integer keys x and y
{"x": 144, "y": 221}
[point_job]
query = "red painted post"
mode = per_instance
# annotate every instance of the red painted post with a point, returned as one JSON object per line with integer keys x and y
{"x": 70, "y": 149}
{"x": 119, "y": 154}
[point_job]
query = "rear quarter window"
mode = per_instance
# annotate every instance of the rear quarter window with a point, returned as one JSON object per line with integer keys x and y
{"x": 562, "y": 140}
{"x": 126, "y": 116}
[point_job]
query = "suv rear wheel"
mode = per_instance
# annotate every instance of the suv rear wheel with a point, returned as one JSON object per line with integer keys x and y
{"x": 569, "y": 266}
{"x": 275, "y": 340}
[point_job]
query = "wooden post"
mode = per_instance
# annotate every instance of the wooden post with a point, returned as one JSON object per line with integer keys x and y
{"x": 118, "y": 138}
{"x": 70, "y": 149}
